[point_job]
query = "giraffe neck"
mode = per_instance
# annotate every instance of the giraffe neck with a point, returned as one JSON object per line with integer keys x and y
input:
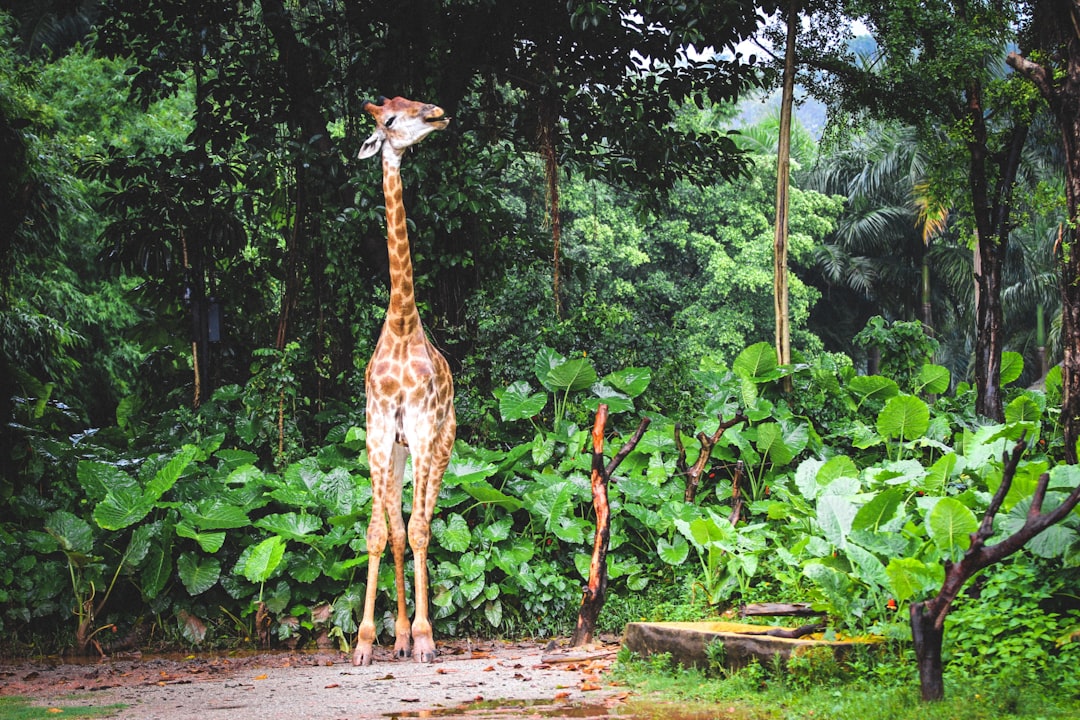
{"x": 402, "y": 317}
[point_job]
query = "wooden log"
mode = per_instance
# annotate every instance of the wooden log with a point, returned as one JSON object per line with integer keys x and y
{"x": 792, "y": 609}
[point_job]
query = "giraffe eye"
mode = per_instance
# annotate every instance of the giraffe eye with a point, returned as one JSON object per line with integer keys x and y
{"x": 390, "y": 120}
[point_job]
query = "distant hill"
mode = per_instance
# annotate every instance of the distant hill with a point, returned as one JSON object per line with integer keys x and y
{"x": 809, "y": 112}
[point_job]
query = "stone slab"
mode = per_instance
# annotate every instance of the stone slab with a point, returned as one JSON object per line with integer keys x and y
{"x": 688, "y": 642}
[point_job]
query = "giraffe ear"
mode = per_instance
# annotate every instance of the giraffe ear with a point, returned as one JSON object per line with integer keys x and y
{"x": 371, "y": 146}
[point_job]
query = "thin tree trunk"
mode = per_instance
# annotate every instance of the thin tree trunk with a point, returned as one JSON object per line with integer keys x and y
{"x": 595, "y": 591}
{"x": 783, "y": 172}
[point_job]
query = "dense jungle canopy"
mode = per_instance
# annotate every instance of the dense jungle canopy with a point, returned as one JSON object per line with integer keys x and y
{"x": 193, "y": 273}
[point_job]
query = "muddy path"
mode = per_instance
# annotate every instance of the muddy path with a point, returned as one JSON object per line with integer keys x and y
{"x": 482, "y": 679}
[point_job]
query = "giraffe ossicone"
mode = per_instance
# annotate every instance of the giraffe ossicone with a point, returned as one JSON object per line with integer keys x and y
{"x": 410, "y": 400}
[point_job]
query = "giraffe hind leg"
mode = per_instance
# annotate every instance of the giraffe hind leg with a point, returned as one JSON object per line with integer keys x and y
{"x": 402, "y": 629}
{"x": 428, "y": 479}
{"x": 387, "y": 461}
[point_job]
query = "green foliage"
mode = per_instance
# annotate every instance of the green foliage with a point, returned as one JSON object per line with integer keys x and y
{"x": 905, "y": 348}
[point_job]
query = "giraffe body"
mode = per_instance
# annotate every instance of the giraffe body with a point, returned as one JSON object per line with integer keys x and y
{"x": 410, "y": 401}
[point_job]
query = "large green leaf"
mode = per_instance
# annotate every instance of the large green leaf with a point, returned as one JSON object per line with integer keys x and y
{"x": 126, "y": 505}
{"x": 493, "y": 612}
{"x": 263, "y": 559}
{"x": 467, "y": 470}
{"x": 121, "y": 508}
{"x": 167, "y": 476}
{"x": 210, "y": 542}
{"x": 99, "y": 478}
{"x": 912, "y": 578}
{"x": 836, "y": 467}
{"x": 835, "y": 585}
{"x": 1023, "y": 409}
{"x": 933, "y": 379}
{"x": 879, "y": 511}
{"x": 835, "y": 515}
{"x": 518, "y": 402}
{"x": 872, "y": 387}
{"x": 771, "y": 443}
{"x": 757, "y": 362}
{"x": 633, "y": 381}
{"x": 616, "y": 401}
{"x": 905, "y": 417}
{"x": 571, "y": 376}
{"x": 546, "y": 359}
{"x": 214, "y": 514}
{"x": 950, "y": 524}
{"x": 139, "y": 547}
{"x": 806, "y": 477}
{"x": 941, "y": 471}
{"x": 72, "y": 533}
{"x": 1012, "y": 366}
{"x": 452, "y": 533}
{"x": 291, "y": 526}
{"x": 484, "y": 493}
{"x": 157, "y": 571}
{"x": 569, "y": 529}
{"x": 866, "y": 566}
{"x": 674, "y": 552}
{"x": 198, "y": 573}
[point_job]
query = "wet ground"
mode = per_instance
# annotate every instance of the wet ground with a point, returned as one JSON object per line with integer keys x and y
{"x": 474, "y": 680}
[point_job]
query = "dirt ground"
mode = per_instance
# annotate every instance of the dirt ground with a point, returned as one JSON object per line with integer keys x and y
{"x": 468, "y": 679}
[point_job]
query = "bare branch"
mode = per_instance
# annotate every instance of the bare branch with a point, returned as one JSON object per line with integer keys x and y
{"x": 628, "y": 446}
{"x": 1034, "y": 72}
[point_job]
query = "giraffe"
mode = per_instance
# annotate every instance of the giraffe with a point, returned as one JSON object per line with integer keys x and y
{"x": 410, "y": 399}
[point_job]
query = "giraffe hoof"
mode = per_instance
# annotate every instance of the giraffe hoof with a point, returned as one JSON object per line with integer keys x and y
{"x": 362, "y": 656}
{"x": 424, "y": 652}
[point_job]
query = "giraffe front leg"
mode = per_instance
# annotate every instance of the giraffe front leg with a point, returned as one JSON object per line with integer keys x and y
{"x": 402, "y": 638}
{"x": 423, "y": 639}
{"x": 376, "y": 542}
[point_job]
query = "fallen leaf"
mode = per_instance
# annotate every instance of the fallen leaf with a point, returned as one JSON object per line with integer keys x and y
{"x": 562, "y": 695}
{"x": 587, "y": 686}
{"x": 55, "y": 710}
{"x": 444, "y": 671}
{"x": 489, "y": 668}
{"x": 331, "y": 685}
{"x": 261, "y": 677}
{"x": 410, "y": 700}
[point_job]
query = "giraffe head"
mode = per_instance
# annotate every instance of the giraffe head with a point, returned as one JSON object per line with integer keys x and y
{"x": 400, "y": 123}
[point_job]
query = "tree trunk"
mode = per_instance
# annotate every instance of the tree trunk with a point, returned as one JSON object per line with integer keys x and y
{"x": 927, "y": 638}
{"x": 1054, "y": 23}
{"x": 596, "y": 590}
{"x": 783, "y": 170}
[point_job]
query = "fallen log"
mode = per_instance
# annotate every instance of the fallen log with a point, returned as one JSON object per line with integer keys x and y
{"x": 791, "y": 609}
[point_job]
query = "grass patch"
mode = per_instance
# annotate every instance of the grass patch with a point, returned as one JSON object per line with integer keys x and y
{"x": 22, "y": 708}
{"x": 886, "y": 692}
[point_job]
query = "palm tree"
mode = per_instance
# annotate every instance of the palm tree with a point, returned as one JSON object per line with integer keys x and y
{"x": 881, "y": 259}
